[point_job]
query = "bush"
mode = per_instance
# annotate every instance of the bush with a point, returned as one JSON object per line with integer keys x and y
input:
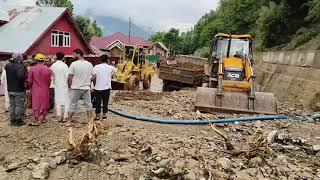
{"x": 202, "y": 52}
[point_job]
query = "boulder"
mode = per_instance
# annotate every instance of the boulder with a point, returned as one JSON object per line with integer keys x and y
{"x": 316, "y": 148}
{"x": 225, "y": 163}
{"x": 41, "y": 171}
{"x": 13, "y": 166}
{"x": 271, "y": 137}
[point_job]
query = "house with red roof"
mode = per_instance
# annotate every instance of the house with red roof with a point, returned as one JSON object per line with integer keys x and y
{"x": 116, "y": 42}
{"x": 32, "y": 30}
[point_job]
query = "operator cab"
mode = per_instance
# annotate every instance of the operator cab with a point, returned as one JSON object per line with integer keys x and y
{"x": 233, "y": 49}
{"x": 135, "y": 54}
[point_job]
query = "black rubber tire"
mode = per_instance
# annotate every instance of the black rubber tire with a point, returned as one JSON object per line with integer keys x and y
{"x": 147, "y": 82}
{"x": 165, "y": 86}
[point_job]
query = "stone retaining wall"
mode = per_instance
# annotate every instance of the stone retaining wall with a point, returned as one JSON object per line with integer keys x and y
{"x": 293, "y": 58}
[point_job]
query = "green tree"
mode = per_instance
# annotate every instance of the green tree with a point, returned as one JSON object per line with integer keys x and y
{"x": 56, "y": 3}
{"x": 88, "y": 28}
{"x": 157, "y": 37}
{"x": 272, "y": 26}
{"x": 172, "y": 40}
{"x": 97, "y": 30}
{"x": 314, "y": 13}
{"x": 202, "y": 52}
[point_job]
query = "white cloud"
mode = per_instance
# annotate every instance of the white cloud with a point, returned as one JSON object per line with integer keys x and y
{"x": 158, "y": 14}
{"x": 19, "y": 2}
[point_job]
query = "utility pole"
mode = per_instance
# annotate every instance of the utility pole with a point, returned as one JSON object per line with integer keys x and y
{"x": 129, "y": 30}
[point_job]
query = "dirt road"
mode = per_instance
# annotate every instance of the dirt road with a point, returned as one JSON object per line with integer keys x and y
{"x": 140, "y": 150}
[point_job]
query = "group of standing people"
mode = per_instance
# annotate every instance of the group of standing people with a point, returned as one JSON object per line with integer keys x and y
{"x": 71, "y": 84}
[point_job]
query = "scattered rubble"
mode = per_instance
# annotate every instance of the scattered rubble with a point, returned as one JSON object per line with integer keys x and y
{"x": 41, "y": 171}
{"x": 138, "y": 150}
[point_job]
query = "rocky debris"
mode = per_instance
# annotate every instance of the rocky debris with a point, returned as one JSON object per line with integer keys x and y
{"x": 13, "y": 166}
{"x": 140, "y": 95}
{"x": 163, "y": 163}
{"x": 246, "y": 174}
{"x": 30, "y": 166}
{"x": 224, "y": 163}
{"x": 216, "y": 174}
{"x": 59, "y": 160}
{"x": 62, "y": 152}
{"x": 190, "y": 176}
{"x": 147, "y": 149}
{"x": 53, "y": 164}
{"x": 74, "y": 162}
{"x": 316, "y": 107}
{"x": 41, "y": 171}
{"x": 271, "y": 137}
{"x": 256, "y": 162}
{"x": 158, "y": 158}
{"x": 122, "y": 157}
{"x": 138, "y": 150}
{"x": 159, "y": 171}
{"x": 316, "y": 148}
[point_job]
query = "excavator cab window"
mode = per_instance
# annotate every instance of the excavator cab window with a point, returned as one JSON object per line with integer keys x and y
{"x": 221, "y": 47}
{"x": 142, "y": 57}
{"x": 239, "y": 48}
{"x": 136, "y": 58}
{"x": 129, "y": 53}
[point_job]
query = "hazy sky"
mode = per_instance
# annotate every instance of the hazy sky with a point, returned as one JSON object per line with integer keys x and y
{"x": 158, "y": 14}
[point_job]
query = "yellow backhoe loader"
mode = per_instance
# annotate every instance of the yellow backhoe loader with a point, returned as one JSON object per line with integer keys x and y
{"x": 134, "y": 68}
{"x": 230, "y": 79}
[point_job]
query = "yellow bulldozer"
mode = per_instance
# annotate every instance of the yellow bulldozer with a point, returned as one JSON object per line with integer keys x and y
{"x": 230, "y": 80}
{"x": 133, "y": 68}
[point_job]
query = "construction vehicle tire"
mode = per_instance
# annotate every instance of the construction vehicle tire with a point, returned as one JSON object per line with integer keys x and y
{"x": 147, "y": 82}
{"x": 133, "y": 83}
{"x": 165, "y": 86}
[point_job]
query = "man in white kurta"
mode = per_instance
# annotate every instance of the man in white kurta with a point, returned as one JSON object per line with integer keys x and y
{"x": 60, "y": 76}
{"x": 5, "y": 90}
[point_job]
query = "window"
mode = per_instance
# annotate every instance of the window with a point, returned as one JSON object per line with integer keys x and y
{"x": 60, "y": 39}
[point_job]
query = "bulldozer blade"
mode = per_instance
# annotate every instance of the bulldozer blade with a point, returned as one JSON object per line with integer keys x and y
{"x": 116, "y": 85}
{"x": 207, "y": 100}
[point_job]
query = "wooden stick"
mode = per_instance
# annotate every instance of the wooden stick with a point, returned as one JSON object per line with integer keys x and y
{"x": 229, "y": 146}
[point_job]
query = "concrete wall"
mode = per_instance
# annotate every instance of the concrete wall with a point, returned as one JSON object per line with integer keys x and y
{"x": 292, "y": 76}
{"x": 293, "y": 58}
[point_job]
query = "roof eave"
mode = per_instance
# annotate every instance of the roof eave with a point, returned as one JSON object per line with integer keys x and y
{"x": 79, "y": 31}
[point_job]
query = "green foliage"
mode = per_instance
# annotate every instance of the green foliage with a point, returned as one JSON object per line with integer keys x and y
{"x": 314, "y": 13}
{"x": 88, "y": 28}
{"x": 157, "y": 37}
{"x": 202, "y": 52}
{"x": 97, "y": 30}
{"x": 172, "y": 40}
{"x": 302, "y": 36}
{"x": 273, "y": 23}
{"x": 56, "y": 3}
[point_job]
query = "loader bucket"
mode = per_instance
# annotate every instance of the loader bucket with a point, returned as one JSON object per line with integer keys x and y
{"x": 116, "y": 85}
{"x": 234, "y": 102}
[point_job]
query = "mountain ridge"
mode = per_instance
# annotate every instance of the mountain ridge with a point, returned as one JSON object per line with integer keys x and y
{"x": 111, "y": 25}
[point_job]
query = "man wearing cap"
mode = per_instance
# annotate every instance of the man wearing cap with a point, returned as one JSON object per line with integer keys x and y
{"x": 39, "y": 80}
{"x": 16, "y": 78}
